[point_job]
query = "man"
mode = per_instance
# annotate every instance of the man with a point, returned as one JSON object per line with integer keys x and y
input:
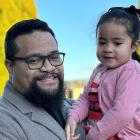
{"x": 32, "y": 106}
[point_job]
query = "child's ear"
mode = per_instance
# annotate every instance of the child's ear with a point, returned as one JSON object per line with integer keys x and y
{"x": 136, "y": 45}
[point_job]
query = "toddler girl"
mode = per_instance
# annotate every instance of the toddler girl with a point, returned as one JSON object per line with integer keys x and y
{"x": 111, "y": 100}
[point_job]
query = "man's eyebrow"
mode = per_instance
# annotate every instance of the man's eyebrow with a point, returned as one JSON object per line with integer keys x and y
{"x": 53, "y": 52}
{"x": 38, "y": 54}
{"x": 33, "y": 55}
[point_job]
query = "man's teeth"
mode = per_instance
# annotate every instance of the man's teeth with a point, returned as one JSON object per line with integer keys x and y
{"x": 49, "y": 77}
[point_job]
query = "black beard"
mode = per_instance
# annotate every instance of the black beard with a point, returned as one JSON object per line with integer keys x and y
{"x": 49, "y": 100}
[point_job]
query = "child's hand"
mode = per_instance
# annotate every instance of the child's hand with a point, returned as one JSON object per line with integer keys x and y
{"x": 70, "y": 129}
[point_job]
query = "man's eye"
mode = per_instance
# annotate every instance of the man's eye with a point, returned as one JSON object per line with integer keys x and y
{"x": 34, "y": 60}
{"x": 55, "y": 56}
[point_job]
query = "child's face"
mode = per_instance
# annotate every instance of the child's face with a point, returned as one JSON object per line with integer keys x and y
{"x": 114, "y": 45}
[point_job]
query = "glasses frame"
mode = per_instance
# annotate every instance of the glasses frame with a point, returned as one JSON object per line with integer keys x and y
{"x": 25, "y": 59}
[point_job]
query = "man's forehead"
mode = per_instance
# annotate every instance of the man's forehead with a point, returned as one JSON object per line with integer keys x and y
{"x": 36, "y": 35}
{"x": 37, "y": 42}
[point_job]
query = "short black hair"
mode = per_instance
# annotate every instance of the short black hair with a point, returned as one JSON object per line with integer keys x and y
{"x": 124, "y": 16}
{"x": 21, "y": 28}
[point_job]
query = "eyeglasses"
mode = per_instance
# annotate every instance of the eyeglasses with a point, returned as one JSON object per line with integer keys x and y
{"x": 37, "y": 61}
{"x": 132, "y": 9}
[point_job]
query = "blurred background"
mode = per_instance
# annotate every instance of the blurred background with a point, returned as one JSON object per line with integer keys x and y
{"x": 74, "y": 23}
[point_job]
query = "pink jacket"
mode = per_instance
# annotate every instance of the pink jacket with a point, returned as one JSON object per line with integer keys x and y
{"x": 119, "y": 98}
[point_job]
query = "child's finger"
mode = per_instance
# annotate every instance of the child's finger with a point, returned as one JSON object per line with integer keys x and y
{"x": 72, "y": 130}
{"x": 76, "y": 137}
{"x": 67, "y": 133}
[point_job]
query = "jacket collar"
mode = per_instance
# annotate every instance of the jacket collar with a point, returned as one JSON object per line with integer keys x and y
{"x": 36, "y": 114}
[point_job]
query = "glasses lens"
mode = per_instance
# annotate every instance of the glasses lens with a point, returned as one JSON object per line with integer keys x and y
{"x": 35, "y": 62}
{"x": 56, "y": 59}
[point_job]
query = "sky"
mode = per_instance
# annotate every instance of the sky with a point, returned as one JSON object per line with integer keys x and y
{"x": 74, "y": 24}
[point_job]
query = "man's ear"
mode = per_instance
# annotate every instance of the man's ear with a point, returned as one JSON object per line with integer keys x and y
{"x": 9, "y": 66}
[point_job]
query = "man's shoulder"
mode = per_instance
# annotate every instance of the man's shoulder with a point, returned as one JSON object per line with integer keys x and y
{"x": 5, "y": 109}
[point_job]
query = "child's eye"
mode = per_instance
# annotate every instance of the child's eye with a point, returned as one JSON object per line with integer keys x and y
{"x": 117, "y": 43}
{"x": 101, "y": 42}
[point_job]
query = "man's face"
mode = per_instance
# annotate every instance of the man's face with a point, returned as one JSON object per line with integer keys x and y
{"x": 46, "y": 78}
